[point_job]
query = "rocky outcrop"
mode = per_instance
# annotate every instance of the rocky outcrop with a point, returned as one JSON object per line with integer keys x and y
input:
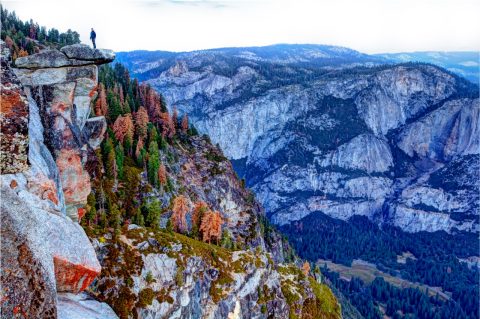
{"x": 62, "y": 91}
{"x": 13, "y": 121}
{"x": 450, "y": 131}
{"x": 162, "y": 275}
{"x": 329, "y": 138}
{"x": 44, "y": 249}
{"x": 82, "y": 306}
{"x": 364, "y": 152}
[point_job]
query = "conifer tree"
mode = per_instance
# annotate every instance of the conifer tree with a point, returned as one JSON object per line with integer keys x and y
{"x": 180, "y": 210}
{"x": 109, "y": 159}
{"x": 199, "y": 210}
{"x": 185, "y": 124}
{"x": 154, "y": 210}
{"x": 91, "y": 209}
{"x": 141, "y": 121}
{"x": 168, "y": 127}
{"x": 162, "y": 175}
{"x": 119, "y": 159}
{"x": 114, "y": 217}
{"x": 211, "y": 226}
{"x": 101, "y": 106}
{"x": 123, "y": 127}
{"x": 153, "y": 163}
{"x": 175, "y": 117}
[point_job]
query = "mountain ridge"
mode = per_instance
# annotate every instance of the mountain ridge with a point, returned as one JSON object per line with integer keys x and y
{"x": 200, "y": 90}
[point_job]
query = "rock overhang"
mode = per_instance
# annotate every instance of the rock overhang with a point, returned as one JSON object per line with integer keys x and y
{"x": 70, "y": 55}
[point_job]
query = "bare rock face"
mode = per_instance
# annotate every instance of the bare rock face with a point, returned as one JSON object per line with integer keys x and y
{"x": 45, "y": 106}
{"x": 451, "y": 130}
{"x": 84, "y": 52}
{"x": 28, "y": 283}
{"x": 364, "y": 152}
{"x": 82, "y": 306}
{"x": 47, "y": 59}
{"x": 63, "y": 91}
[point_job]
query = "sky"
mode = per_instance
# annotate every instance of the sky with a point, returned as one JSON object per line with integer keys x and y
{"x": 369, "y": 26}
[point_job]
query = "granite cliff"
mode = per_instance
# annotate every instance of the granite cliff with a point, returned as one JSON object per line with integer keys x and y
{"x": 396, "y": 143}
{"x": 46, "y": 137}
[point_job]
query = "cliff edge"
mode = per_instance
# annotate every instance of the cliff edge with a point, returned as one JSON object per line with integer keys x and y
{"x": 46, "y": 136}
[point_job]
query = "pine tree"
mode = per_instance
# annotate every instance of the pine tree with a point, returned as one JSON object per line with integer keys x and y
{"x": 199, "y": 210}
{"x": 180, "y": 210}
{"x": 101, "y": 106}
{"x": 114, "y": 217}
{"x": 185, "y": 124}
{"x": 119, "y": 159}
{"x": 109, "y": 159}
{"x": 154, "y": 210}
{"x": 91, "y": 209}
{"x": 211, "y": 226}
{"x": 168, "y": 127}
{"x": 175, "y": 117}
{"x": 162, "y": 175}
{"x": 153, "y": 163}
{"x": 114, "y": 107}
{"x": 226, "y": 241}
{"x": 123, "y": 127}
{"x": 138, "y": 152}
{"x": 141, "y": 121}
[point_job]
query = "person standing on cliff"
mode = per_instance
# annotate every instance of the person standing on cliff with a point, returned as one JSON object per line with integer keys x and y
{"x": 93, "y": 35}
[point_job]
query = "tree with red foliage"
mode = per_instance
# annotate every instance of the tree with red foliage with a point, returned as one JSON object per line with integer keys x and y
{"x": 162, "y": 175}
{"x": 175, "y": 116}
{"x": 306, "y": 268}
{"x": 141, "y": 122}
{"x": 101, "y": 106}
{"x": 180, "y": 210}
{"x": 185, "y": 123}
{"x": 168, "y": 128}
{"x": 123, "y": 128}
{"x": 211, "y": 226}
{"x": 139, "y": 148}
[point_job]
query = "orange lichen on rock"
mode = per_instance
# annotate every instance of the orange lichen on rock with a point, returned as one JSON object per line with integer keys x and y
{"x": 13, "y": 184}
{"x": 12, "y": 101}
{"x": 71, "y": 277}
{"x": 44, "y": 188}
{"x": 81, "y": 212}
{"x": 75, "y": 180}
{"x": 59, "y": 108}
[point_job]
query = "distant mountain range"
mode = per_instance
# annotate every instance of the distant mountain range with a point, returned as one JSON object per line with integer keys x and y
{"x": 465, "y": 63}
{"x": 325, "y": 128}
{"x": 354, "y": 156}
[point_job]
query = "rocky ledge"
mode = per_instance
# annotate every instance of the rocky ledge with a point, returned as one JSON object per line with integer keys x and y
{"x": 46, "y": 138}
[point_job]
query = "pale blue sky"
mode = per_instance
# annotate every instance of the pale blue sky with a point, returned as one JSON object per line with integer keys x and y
{"x": 370, "y": 26}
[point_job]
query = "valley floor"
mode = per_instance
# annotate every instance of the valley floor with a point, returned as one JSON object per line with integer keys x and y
{"x": 367, "y": 272}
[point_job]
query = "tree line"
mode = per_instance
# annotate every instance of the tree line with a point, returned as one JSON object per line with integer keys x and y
{"x": 25, "y": 38}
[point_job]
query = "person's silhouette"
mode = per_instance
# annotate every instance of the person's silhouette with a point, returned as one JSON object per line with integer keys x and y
{"x": 93, "y": 35}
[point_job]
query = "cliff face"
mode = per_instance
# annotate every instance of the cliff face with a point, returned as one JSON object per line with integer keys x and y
{"x": 154, "y": 273}
{"x": 46, "y": 137}
{"x": 342, "y": 141}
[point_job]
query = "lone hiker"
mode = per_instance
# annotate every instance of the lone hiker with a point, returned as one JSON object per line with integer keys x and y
{"x": 93, "y": 35}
